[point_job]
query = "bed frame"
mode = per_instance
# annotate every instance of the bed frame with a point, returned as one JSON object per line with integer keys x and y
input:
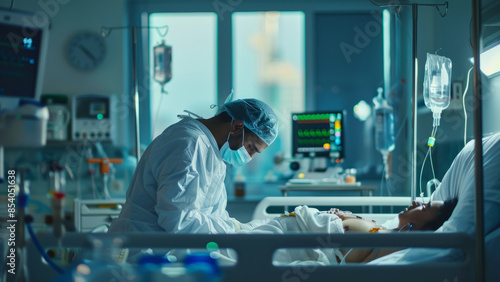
{"x": 255, "y": 255}
{"x": 255, "y": 251}
{"x": 260, "y": 211}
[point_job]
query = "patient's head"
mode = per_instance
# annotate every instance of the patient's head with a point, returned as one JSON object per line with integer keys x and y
{"x": 427, "y": 216}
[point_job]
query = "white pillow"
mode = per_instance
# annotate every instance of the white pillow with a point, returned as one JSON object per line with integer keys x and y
{"x": 459, "y": 181}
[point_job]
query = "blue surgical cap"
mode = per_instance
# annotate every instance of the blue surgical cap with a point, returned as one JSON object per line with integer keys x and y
{"x": 257, "y": 116}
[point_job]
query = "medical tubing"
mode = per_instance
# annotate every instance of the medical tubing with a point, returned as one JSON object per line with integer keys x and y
{"x": 92, "y": 181}
{"x": 432, "y": 166}
{"x": 463, "y": 105}
{"x": 155, "y": 120}
{"x": 382, "y": 182}
{"x": 389, "y": 191}
{"x": 429, "y": 154}
{"x": 422, "y": 170}
{"x": 343, "y": 259}
{"x": 40, "y": 248}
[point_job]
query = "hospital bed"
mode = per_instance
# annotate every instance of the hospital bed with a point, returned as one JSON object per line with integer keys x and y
{"x": 260, "y": 211}
{"x": 255, "y": 251}
{"x": 449, "y": 254}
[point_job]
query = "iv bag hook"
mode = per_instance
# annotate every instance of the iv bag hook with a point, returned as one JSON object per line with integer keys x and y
{"x": 399, "y": 4}
{"x": 106, "y": 31}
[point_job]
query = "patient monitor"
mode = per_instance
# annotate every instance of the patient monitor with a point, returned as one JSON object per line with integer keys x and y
{"x": 23, "y": 43}
{"x": 319, "y": 136}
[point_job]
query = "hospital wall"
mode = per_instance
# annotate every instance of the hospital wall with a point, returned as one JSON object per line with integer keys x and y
{"x": 67, "y": 18}
{"x": 449, "y": 34}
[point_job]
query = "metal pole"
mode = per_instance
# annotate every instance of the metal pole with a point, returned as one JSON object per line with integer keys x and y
{"x": 478, "y": 144}
{"x": 136, "y": 95}
{"x": 414, "y": 104}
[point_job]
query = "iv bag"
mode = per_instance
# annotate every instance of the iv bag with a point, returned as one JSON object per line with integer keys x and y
{"x": 437, "y": 82}
{"x": 384, "y": 124}
{"x": 162, "y": 63}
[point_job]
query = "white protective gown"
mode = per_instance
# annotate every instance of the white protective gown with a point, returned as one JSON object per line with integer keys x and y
{"x": 178, "y": 186}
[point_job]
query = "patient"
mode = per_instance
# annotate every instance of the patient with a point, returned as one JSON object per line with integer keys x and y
{"x": 417, "y": 217}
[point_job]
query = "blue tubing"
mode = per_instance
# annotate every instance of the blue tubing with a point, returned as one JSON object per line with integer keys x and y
{"x": 42, "y": 251}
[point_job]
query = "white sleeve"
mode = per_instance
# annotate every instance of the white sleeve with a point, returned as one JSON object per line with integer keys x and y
{"x": 184, "y": 180}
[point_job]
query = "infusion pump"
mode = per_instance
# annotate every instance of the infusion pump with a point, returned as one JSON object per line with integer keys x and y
{"x": 92, "y": 118}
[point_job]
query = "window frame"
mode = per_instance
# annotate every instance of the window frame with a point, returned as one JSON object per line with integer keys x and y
{"x": 138, "y": 12}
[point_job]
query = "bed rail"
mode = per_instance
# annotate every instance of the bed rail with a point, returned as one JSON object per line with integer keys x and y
{"x": 255, "y": 253}
{"x": 260, "y": 211}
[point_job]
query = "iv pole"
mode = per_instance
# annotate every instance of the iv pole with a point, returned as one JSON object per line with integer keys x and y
{"x": 478, "y": 144}
{"x": 105, "y": 31}
{"x": 414, "y": 7}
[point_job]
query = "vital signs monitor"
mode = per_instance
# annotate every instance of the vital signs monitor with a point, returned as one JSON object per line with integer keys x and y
{"x": 23, "y": 42}
{"x": 318, "y": 134}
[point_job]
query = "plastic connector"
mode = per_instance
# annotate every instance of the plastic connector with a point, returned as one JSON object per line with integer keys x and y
{"x": 431, "y": 141}
{"x": 104, "y": 163}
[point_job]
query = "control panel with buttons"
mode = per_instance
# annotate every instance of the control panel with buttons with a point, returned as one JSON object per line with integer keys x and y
{"x": 92, "y": 117}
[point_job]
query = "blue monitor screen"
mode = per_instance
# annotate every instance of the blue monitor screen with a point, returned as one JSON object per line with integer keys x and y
{"x": 19, "y": 59}
{"x": 318, "y": 134}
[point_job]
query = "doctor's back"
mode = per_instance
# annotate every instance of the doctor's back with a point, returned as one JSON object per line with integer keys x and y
{"x": 178, "y": 186}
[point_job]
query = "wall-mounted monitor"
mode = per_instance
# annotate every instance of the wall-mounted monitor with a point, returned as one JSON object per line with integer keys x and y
{"x": 23, "y": 42}
{"x": 318, "y": 134}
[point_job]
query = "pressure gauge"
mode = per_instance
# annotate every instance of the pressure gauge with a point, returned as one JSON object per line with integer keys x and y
{"x": 86, "y": 50}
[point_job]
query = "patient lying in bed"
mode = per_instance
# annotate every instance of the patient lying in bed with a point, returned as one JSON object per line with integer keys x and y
{"x": 418, "y": 216}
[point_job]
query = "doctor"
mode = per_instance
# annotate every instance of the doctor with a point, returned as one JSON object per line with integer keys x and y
{"x": 178, "y": 186}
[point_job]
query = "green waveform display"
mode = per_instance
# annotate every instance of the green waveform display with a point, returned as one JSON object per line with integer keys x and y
{"x": 313, "y": 117}
{"x": 313, "y": 133}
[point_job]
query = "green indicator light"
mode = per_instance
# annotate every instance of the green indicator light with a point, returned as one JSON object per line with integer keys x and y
{"x": 212, "y": 246}
{"x": 100, "y": 116}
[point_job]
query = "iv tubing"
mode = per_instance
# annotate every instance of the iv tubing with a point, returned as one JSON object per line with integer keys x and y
{"x": 429, "y": 153}
{"x": 463, "y": 104}
{"x": 41, "y": 250}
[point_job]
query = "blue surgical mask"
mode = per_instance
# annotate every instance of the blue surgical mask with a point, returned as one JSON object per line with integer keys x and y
{"x": 237, "y": 157}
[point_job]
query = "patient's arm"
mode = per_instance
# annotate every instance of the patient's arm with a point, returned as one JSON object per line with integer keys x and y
{"x": 353, "y": 224}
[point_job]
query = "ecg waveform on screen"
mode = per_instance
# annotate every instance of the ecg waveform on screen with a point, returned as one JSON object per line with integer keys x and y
{"x": 318, "y": 133}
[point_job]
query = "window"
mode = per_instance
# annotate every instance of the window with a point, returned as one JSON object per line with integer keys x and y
{"x": 268, "y": 64}
{"x": 193, "y": 87}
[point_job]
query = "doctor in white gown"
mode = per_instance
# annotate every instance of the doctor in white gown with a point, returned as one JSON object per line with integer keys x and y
{"x": 178, "y": 186}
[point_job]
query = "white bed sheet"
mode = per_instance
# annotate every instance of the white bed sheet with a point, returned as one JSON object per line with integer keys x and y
{"x": 305, "y": 220}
